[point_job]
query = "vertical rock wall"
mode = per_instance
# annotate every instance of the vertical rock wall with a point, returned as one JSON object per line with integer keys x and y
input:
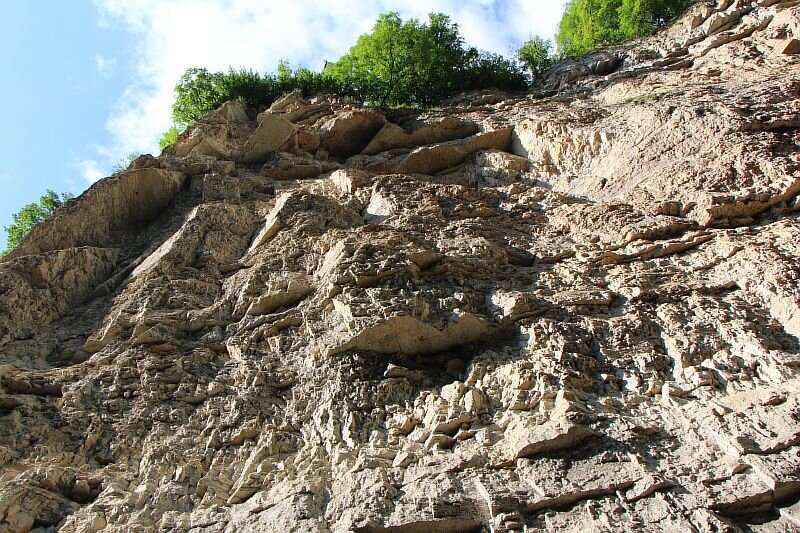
{"x": 578, "y": 311}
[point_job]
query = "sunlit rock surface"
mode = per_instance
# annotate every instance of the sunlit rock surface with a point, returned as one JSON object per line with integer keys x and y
{"x": 574, "y": 310}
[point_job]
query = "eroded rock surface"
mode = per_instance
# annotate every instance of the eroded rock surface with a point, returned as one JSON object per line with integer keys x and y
{"x": 577, "y": 310}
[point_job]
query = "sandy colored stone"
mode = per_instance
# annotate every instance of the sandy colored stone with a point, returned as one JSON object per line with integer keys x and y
{"x": 439, "y": 130}
{"x": 349, "y": 131}
{"x": 219, "y": 134}
{"x": 272, "y": 132}
{"x": 583, "y": 315}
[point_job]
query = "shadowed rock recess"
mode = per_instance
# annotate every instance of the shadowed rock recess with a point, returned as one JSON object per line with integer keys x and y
{"x": 577, "y": 310}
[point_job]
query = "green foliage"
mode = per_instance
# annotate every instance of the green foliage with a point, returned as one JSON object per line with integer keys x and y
{"x": 245, "y": 85}
{"x": 168, "y": 138}
{"x": 536, "y": 54}
{"x": 486, "y": 70}
{"x": 31, "y": 215}
{"x": 642, "y": 17}
{"x": 379, "y": 67}
{"x": 123, "y": 164}
{"x": 198, "y": 92}
{"x": 307, "y": 82}
{"x": 413, "y": 63}
{"x": 398, "y": 63}
{"x": 439, "y": 65}
{"x": 587, "y": 24}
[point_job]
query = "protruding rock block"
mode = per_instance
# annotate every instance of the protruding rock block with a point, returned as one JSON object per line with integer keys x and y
{"x": 444, "y": 129}
{"x": 125, "y": 201}
{"x": 438, "y": 157}
{"x": 559, "y": 484}
{"x": 349, "y": 132}
{"x": 285, "y": 292}
{"x": 297, "y": 109}
{"x": 220, "y": 134}
{"x": 285, "y": 166}
{"x": 408, "y": 335}
{"x": 525, "y": 437}
{"x": 272, "y": 132}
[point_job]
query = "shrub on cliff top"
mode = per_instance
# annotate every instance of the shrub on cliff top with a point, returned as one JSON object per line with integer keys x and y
{"x": 420, "y": 64}
{"x": 399, "y": 63}
{"x": 200, "y": 91}
{"x": 405, "y": 63}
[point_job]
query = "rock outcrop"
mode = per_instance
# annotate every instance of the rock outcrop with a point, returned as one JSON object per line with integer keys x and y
{"x": 577, "y": 309}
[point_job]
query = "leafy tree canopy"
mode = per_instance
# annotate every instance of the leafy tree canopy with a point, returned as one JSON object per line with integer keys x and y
{"x": 32, "y": 214}
{"x": 404, "y": 62}
{"x": 587, "y": 24}
{"x": 398, "y": 63}
{"x": 536, "y": 54}
{"x": 200, "y": 91}
{"x": 169, "y": 137}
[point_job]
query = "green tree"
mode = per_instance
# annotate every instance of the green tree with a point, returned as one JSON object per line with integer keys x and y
{"x": 398, "y": 63}
{"x": 536, "y": 54}
{"x": 638, "y": 18}
{"x": 198, "y": 92}
{"x": 587, "y": 24}
{"x": 169, "y": 137}
{"x": 32, "y": 214}
{"x": 485, "y": 70}
{"x": 303, "y": 80}
{"x": 378, "y": 67}
{"x": 439, "y": 60}
{"x": 245, "y": 85}
{"x": 414, "y": 63}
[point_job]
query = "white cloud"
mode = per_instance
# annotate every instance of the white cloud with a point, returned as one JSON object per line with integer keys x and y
{"x": 90, "y": 170}
{"x": 173, "y": 35}
{"x": 105, "y": 66}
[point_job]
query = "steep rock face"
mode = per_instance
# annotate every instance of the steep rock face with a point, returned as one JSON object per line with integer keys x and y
{"x": 577, "y": 310}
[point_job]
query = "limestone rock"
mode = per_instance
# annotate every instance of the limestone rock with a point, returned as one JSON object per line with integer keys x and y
{"x": 444, "y": 129}
{"x": 272, "y": 132}
{"x": 349, "y": 132}
{"x": 283, "y": 166}
{"x": 573, "y": 310}
{"x": 438, "y": 157}
{"x": 220, "y": 134}
{"x": 132, "y": 198}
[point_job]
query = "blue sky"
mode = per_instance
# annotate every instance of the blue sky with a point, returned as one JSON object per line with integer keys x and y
{"x": 87, "y": 82}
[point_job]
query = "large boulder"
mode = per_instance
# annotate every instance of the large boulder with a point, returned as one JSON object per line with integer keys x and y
{"x": 272, "y": 132}
{"x": 350, "y": 131}
{"x": 438, "y": 157}
{"x": 221, "y": 133}
{"x": 444, "y": 129}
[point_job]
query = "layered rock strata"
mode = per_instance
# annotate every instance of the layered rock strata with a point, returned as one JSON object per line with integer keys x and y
{"x": 577, "y": 309}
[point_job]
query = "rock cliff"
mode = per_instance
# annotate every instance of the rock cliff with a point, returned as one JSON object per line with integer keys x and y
{"x": 573, "y": 310}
